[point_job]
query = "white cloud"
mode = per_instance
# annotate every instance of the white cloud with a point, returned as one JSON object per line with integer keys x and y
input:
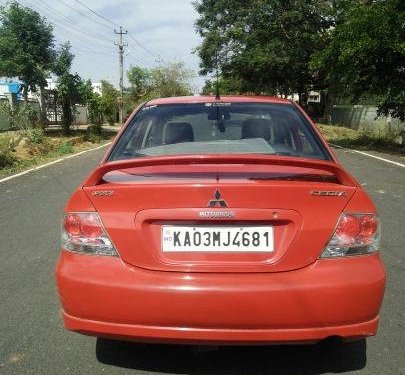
{"x": 165, "y": 27}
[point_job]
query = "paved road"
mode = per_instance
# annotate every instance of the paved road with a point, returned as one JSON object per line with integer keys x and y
{"x": 32, "y": 340}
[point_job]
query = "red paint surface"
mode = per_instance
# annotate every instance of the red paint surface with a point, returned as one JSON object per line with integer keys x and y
{"x": 289, "y": 295}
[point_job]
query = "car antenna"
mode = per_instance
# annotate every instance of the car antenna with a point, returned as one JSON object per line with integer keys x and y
{"x": 217, "y": 96}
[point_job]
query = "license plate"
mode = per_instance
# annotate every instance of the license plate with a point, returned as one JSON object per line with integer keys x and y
{"x": 217, "y": 239}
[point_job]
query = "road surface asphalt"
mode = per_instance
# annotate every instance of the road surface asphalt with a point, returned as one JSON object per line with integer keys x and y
{"x": 33, "y": 341}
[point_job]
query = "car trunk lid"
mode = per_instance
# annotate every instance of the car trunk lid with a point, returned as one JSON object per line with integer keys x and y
{"x": 300, "y": 201}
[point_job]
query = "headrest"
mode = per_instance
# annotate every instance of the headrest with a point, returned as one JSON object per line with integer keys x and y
{"x": 177, "y": 132}
{"x": 256, "y": 128}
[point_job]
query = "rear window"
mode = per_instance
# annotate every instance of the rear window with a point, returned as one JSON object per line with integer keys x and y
{"x": 218, "y": 128}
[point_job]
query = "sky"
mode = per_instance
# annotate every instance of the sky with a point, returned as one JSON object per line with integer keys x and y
{"x": 159, "y": 31}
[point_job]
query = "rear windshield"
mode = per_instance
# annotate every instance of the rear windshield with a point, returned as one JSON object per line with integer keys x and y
{"x": 219, "y": 128}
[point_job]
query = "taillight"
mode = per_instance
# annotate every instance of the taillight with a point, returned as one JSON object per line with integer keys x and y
{"x": 355, "y": 234}
{"x": 84, "y": 233}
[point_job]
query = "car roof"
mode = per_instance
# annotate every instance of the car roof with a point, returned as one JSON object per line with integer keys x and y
{"x": 224, "y": 99}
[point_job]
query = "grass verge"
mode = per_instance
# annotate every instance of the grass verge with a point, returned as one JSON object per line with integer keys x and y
{"x": 53, "y": 146}
{"x": 363, "y": 139}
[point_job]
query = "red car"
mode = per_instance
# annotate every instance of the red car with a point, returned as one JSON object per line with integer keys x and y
{"x": 223, "y": 221}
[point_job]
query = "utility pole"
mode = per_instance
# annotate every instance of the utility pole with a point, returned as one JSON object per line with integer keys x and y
{"x": 121, "y": 46}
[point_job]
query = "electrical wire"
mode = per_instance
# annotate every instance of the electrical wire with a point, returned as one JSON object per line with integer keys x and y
{"x": 81, "y": 13}
{"x": 97, "y": 14}
{"x": 82, "y": 34}
{"x": 137, "y": 59}
{"x": 102, "y": 63}
{"x": 95, "y": 38}
{"x": 60, "y": 20}
{"x": 151, "y": 53}
{"x": 154, "y": 55}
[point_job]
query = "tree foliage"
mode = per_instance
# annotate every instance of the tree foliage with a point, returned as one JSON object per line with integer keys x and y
{"x": 94, "y": 107}
{"x": 26, "y": 46}
{"x": 95, "y": 111}
{"x": 71, "y": 88}
{"x": 101, "y": 108}
{"x": 266, "y": 45}
{"x": 228, "y": 85}
{"x": 28, "y": 52}
{"x": 141, "y": 82}
{"x": 20, "y": 117}
{"x": 109, "y": 101}
{"x": 171, "y": 79}
{"x": 352, "y": 48}
{"x": 366, "y": 53}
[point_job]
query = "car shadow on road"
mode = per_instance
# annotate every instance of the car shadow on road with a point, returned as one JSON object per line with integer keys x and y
{"x": 325, "y": 357}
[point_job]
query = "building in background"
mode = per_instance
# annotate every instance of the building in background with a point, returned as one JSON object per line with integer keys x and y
{"x": 10, "y": 87}
{"x": 97, "y": 88}
{"x": 314, "y": 97}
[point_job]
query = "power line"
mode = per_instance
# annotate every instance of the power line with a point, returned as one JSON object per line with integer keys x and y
{"x": 82, "y": 34}
{"x": 63, "y": 33}
{"x": 136, "y": 59}
{"x": 87, "y": 33}
{"x": 94, "y": 12}
{"x": 102, "y": 63}
{"x": 81, "y": 13}
{"x": 153, "y": 54}
{"x": 57, "y": 17}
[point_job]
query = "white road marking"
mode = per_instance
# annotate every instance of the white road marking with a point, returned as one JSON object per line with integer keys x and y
{"x": 51, "y": 163}
{"x": 369, "y": 155}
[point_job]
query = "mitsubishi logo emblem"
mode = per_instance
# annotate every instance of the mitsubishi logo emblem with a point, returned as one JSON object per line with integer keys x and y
{"x": 218, "y": 201}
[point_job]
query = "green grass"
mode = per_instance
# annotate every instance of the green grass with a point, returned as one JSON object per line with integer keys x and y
{"x": 6, "y": 157}
{"x": 338, "y": 135}
{"x": 364, "y": 139}
{"x": 65, "y": 148}
{"x": 54, "y": 146}
{"x": 4, "y": 140}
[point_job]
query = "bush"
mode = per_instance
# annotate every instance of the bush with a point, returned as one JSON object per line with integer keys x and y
{"x": 6, "y": 158}
{"x": 24, "y": 117}
{"x": 65, "y": 148}
{"x": 93, "y": 134}
{"x": 383, "y": 138}
{"x": 94, "y": 138}
{"x": 36, "y": 135}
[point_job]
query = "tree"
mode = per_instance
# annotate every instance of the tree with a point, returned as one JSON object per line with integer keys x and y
{"x": 366, "y": 53}
{"x": 87, "y": 90}
{"x": 26, "y": 46}
{"x": 100, "y": 107}
{"x": 266, "y": 45}
{"x": 171, "y": 79}
{"x": 109, "y": 101}
{"x": 94, "y": 106}
{"x": 141, "y": 82}
{"x": 71, "y": 88}
{"x": 227, "y": 85}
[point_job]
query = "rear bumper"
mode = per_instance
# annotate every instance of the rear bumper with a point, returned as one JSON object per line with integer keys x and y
{"x": 215, "y": 335}
{"x": 105, "y": 297}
